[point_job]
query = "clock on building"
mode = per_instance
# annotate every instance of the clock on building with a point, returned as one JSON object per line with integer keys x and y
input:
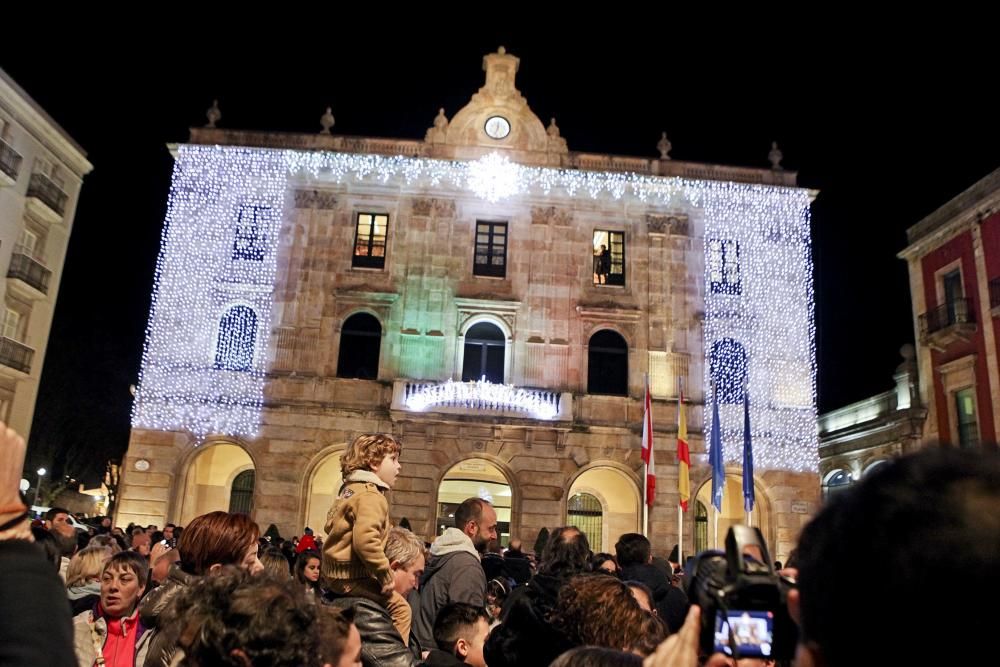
{"x": 497, "y": 127}
{"x": 142, "y": 465}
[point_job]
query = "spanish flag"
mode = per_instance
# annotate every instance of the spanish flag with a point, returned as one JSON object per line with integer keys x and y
{"x": 683, "y": 455}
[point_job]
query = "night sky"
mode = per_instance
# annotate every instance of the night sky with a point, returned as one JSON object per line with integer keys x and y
{"x": 886, "y": 131}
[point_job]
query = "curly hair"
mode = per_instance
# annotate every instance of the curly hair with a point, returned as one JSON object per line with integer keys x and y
{"x": 270, "y": 622}
{"x": 367, "y": 452}
{"x": 600, "y": 610}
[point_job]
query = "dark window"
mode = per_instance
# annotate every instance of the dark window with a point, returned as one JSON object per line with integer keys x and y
{"x": 728, "y": 364}
{"x": 837, "y": 482}
{"x": 607, "y": 364}
{"x": 953, "y": 292}
{"x": 241, "y": 494}
{"x": 237, "y": 338}
{"x": 491, "y": 249}
{"x": 700, "y": 527}
{"x": 965, "y": 409}
{"x": 249, "y": 241}
{"x": 584, "y": 511}
{"x": 484, "y": 352}
{"x": 360, "y": 342}
{"x": 724, "y": 266}
{"x": 369, "y": 240}
{"x": 609, "y": 258}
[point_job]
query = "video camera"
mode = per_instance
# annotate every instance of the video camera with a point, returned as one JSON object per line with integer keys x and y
{"x": 744, "y": 608}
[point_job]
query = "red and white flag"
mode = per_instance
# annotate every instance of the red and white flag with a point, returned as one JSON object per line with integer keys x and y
{"x": 647, "y": 448}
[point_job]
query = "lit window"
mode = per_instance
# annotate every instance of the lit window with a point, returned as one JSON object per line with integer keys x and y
{"x": 369, "y": 240}
{"x": 724, "y": 266}
{"x": 609, "y": 258}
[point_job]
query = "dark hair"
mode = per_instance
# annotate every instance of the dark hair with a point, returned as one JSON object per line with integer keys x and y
{"x": 129, "y": 560}
{"x": 47, "y": 541}
{"x": 597, "y": 656}
{"x": 169, "y": 525}
{"x": 456, "y": 621}
{"x": 53, "y": 511}
{"x": 334, "y": 628}
{"x": 600, "y": 610}
{"x": 910, "y": 520}
{"x": 471, "y": 509}
{"x": 270, "y": 621}
{"x": 216, "y": 537}
{"x": 566, "y": 553}
{"x": 632, "y": 549}
{"x": 300, "y": 567}
{"x": 600, "y": 559}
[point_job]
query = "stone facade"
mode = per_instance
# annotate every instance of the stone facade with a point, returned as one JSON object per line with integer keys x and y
{"x": 427, "y": 296}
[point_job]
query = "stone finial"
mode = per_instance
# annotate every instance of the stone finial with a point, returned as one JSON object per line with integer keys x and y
{"x": 501, "y": 50}
{"x": 664, "y": 146}
{"x": 908, "y": 352}
{"x": 440, "y": 120}
{"x": 327, "y": 121}
{"x": 775, "y": 156}
{"x": 553, "y": 129}
{"x": 213, "y": 114}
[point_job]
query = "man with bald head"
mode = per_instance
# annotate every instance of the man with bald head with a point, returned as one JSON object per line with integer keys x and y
{"x": 455, "y": 572}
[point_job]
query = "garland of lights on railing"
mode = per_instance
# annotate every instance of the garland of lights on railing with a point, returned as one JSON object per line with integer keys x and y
{"x": 483, "y": 395}
{"x": 183, "y": 387}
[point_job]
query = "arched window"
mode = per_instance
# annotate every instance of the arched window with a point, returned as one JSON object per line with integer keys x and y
{"x": 241, "y": 493}
{"x": 584, "y": 511}
{"x": 728, "y": 365}
{"x": 484, "y": 353}
{"x": 700, "y": 527}
{"x": 835, "y": 483}
{"x": 607, "y": 364}
{"x": 237, "y": 339}
{"x": 360, "y": 342}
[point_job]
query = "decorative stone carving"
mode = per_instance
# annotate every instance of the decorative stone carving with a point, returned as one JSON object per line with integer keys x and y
{"x": 677, "y": 226}
{"x": 320, "y": 199}
{"x": 444, "y": 208}
{"x": 422, "y": 207}
{"x": 775, "y": 156}
{"x": 664, "y": 146}
{"x": 545, "y": 215}
{"x": 556, "y": 143}
{"x": 213, "y": 114}
{"x": 327, "y": 121}
{"x": 656, "y": 224}
{"x": 439, "y": 132}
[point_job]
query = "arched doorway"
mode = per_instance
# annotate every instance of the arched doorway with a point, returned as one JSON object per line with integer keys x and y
{"x": 475, "y": 478}
{"x": 323, "y": 488}
{"x": 219, "y": 478}
{"x": 618, "y": 504}
{"x": 732, "y": 513}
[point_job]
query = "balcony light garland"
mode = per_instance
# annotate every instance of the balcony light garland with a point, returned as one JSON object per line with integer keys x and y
{"x": 483, "y": 395}
{"x": 198, "y": 280}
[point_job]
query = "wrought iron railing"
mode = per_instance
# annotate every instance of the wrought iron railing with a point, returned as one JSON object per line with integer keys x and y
{"x": 10, "y": 160}
{"x": 958, "y": 311}
{"x": 15, "y": 355}
{"x": 45, "y": 189}
{"x": 30, "y": 271}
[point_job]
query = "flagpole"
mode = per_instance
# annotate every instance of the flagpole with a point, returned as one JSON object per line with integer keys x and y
{"x": 645, "y": 465}
{"x": 680, "y": 510}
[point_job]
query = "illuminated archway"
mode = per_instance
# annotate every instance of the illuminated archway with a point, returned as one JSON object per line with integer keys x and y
{"x": 479, "y": 478}
{"x": 323, "y": 487}
{"x": 209, "y": 482}
{"x": 619, "y": 502}
{"x": 732, "y": 511}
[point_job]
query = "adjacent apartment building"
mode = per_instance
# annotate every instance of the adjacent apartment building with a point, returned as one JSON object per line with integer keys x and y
{"x": 41, "y": 172}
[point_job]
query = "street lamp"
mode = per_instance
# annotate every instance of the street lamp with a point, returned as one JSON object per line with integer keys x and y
{"x": 41, "y": 473}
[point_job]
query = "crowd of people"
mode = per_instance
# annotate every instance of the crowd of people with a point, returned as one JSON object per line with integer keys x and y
{"x": 218, "y": 592}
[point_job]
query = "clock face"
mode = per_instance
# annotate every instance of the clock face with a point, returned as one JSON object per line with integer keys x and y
{"x": 497, "y": 127}
{"x": 142, "y": 465}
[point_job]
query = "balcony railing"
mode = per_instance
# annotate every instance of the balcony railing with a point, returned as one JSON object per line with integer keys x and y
{"x": 15, "y": 355}
{"x": 10, "y": 160}
{"x": 30, "y": 271}
{"x": 959, "y": 311}
{"x": 482, "y": 398}
{"x": 42, "y": 187}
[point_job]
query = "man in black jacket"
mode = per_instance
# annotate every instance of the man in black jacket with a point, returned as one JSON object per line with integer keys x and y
{"x": 636, "y": 562}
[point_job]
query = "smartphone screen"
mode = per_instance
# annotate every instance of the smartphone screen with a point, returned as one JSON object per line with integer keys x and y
{"x": 750, "y": 633}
